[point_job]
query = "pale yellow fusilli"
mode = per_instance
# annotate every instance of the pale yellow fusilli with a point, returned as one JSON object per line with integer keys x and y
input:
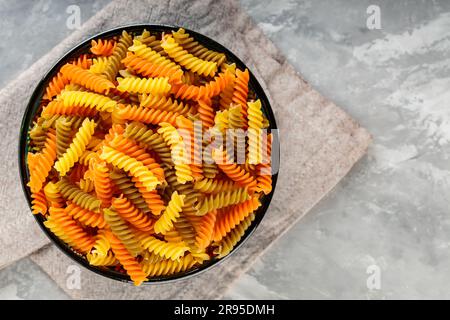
{"x": 88, "y": 100}
{"x": 156, "y": 86}
{"x": 170, "y": 214}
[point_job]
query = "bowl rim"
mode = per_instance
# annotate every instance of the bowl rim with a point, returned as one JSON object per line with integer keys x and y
{"x": 34, "y": 104}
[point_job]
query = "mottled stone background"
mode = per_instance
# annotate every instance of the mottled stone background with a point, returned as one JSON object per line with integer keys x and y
{"x": 391, "y": 211}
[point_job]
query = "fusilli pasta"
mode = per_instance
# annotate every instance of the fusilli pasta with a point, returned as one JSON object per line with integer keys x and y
{"x": 76, "y": 148}
{"x": 170, "y": 214}
{"x": 136, "y": 159}
{"x": 187, "y": 60}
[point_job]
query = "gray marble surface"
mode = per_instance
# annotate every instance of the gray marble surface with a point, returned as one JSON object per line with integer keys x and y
{"x": 390, "y": 213}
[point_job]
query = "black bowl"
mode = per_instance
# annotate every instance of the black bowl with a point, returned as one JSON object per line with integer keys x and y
{"x": 33, "y": 108}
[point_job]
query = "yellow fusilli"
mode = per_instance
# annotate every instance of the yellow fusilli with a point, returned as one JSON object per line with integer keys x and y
{"x": 187, "y": 60}
{"x": 156, "y": 86}
{"x": 170, "y": 214}
{"x": 76, "y": 148}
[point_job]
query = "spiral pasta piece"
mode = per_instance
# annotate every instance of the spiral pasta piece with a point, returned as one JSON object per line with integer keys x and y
{"x": 151, "y": 41}
{"x": 164, "y": 103}
{"x": 206, "y": 91}
{"x": 130, "y": 264}
{"x": 131, "y": 214}
{"x": 228, "y": 219}
{"x": 210, "y": 170}
{"x": 206, "y": 113}
{"x": 168, "y": 267}
{"x": 221, "y": 200}
{"x": 170, "y": 214}
{"x": 102, "y": 47}
{"x": 80, "y": 239}
{"x": 88, "y": 100}
{"x": 146, "y": 115}
{"x": 86, "y": 78}
{"x": 53, "y": 196}
{"x": 255, "y": 119}
{"x": 240, "y": 93}
{"x": 131, "y": 165}
{"x": 102, "y": 183}
{"x": 193, "y": 135}
{"x": 188, "y": 43}
{"x": 71, "y": 192}
{"x": 147, "y": 68}
{"x": 186, "y": 231}
{"x": 133, "y": 150}
{"x": 154, "y": 141}
{"x": 58, "y": 231}
{"x": 235, "y": 119}
{"x": 147, "y": 53}
{"x": 85, "y": 216}
{"x": 233, "y": 170}
{"x": 63, "y": 135}
{"x": 115, "y": 59}
{"x": 76, "y": 148}
{"x": 170, "y": 135}
{"x": 124, "y": 184}
{"x": 214, "y": 185}
{"x": 178, "y": 150}
{"x": 38, "y": 202}
{"x": 167, "y": 250}
{"x": 150, "y": 257}
{"x": 38, "y": 135}
{"x": 59, "y": 81}
{"x": 264, "y": 170}
{"x": 56, "y": 85}
{"x": 104, "y": 261}
{"x": 206, "y": 229}
{"x": 156, "y": 86}
{"x": 221, "y": 122}
{"x": 99, "y": 65}
{"x": 43, "y": 163}
{"x": 229, "y": 242}
{"x": 151, "y": 198}
{"x": 101, "y": 246}
{"x": 186, "y": 189}
{"x": 56, "y": 107}
{"x": 187, "y": 60}
{"x": 226, "y": 95}
{"x": 32, "y": 160}
{"x": 122, "y": 231}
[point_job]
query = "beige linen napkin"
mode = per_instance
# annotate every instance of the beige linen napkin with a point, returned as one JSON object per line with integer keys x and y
{"x": 319, "y": 145}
